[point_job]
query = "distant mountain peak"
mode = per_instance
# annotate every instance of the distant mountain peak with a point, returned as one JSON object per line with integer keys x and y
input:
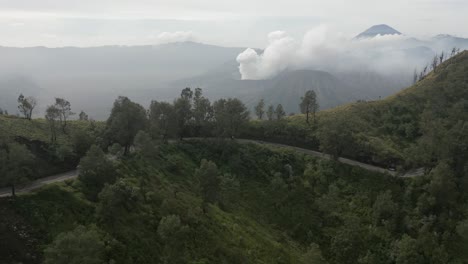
{"x": 378, "y": 30}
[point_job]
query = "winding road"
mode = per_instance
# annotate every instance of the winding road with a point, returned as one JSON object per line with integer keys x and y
{"x": 5, "y": 192}
{"x": 406, "y": 174}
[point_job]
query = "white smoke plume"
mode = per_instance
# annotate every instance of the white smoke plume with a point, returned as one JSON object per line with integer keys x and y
{"x": 322, "y": 49}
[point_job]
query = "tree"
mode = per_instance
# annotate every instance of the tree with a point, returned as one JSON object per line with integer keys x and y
{"x": 260, "y": 109}
{"x": 82, "y": 140}
{"x": 173, "y": 233}
{"x": 270, "y": 112}
{"x": 443, "y": 186}
{"x": 309, "y": 104}
{"x": 229, "y": 186}
{"x": 183, "y": 110}
{"x": 313, "y": 255}
{"x": 434, "y": 63}
{"x": 385, "y": 210}
{"x": 144, "y": 144}
{"x": 82, "y": 245}
{"x": 15, "y": 161}
{"x": 95, "y": 170}
{"x": 208, "y": 176}
{"x": 279, "y": 112}
{"x": 26, "y": 105}
{"x": 126, "y": 119}
{"x": 406, "y": 251}
{"x": 441, "y": 57}
{"x": 415, "y": 76}
{"x": 454, "y": 52}
{"x": 336, "y": 136}
{"x": 162, "y": 119}
{"x": 229, "y": 115}
{"x": 64, "y": 108}
{"x": 52, "y": 115}
{"x": 83, "y": 116}
{"x": 117, "y": 199}
{"x": 202, "y": 111}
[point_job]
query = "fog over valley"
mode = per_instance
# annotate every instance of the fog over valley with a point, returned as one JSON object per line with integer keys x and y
{"x": 341, "y": 70}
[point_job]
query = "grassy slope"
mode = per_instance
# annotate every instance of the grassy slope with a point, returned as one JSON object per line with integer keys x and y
{"x": 35, "y": 134}
{"x": 36, "y": 129}
{"x": 393, "y": 124}
{"x": 249, "y": 228}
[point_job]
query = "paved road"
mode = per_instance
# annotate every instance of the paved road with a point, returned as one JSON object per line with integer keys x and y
{"x": 73, "y": 174}
{"x": 39, "y": 183}
{"x": 407, "y": 174}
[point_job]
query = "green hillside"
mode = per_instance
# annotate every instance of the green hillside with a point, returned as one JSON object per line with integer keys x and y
{"x": 416, "y": 127}
{"x": 143, "y": 195}
{"x": 271, "y": 206}
{"x": 49, "y": 157}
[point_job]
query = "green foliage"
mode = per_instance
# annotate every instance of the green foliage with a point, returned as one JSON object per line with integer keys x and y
{"x": 126, "y": 119}
{"x": 162, "y": 117}
{"x": 255, "y": 204}
{"x": 50, "y": 157}
{"x": 407, "y": 251}
{"x": 260, "y": 109}
{"x": 116, "y": 199}
{"x": 16, "y": 164}
{"x": 336, "y": 136}
{"x": 309, "y": 104}
{"x": 183, "y": 112}
{"x": 173, "y": 235}
{"x": 95, "y": 170}
{"x": 230, "y": 116}
{"x": 280, "y": 207}
{"x": 313, "y": 255}
{"x": 208, "y": 176}
{"x": 26, "y": 105}
{"x": 144, "y": 145}
{"x": 279, "y": 112}
{"x": 82, "y": 245}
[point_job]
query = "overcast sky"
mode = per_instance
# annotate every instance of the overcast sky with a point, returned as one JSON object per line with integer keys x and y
{"x": 223, "y": 22}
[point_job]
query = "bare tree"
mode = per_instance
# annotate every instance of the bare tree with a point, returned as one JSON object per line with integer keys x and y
{"x": 415, "y": 76}
{"x": 434, "y": 63}
{"x": 454, "y": 51}
{"x": 441, "y": 58}
{"x": 64, "y": 109}
{"x": 83, "y": 116}
{"x": 26, "y": 105}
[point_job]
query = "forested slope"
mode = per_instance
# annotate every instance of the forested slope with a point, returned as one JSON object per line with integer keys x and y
{"x": 418, "y": 126}
{"x": 140, "y": 200}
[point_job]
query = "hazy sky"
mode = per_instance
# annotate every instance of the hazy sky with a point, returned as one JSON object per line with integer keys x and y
{"x": 223, "y": 22}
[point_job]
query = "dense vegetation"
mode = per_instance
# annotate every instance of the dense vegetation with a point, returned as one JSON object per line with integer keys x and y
{"x": 417, "y": 127}
{"x": 221, "y": 202}
{"x": 46, "y": 156}
{"x": 143, "y": 197}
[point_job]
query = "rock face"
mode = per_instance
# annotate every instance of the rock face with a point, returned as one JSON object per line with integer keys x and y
{"x": 378, "y": 30}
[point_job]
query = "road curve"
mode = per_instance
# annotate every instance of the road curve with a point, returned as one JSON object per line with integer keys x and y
{"x": 4, "y": 192}
{"x": 407, "y": 174}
